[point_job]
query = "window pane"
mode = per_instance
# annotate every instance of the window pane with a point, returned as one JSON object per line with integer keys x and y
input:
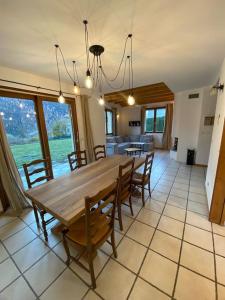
{"x": 109, "y": 122}
{"x": 149, "y": 120}
{"x": 60, "y": 135}
{"x": 160, "y": 119}
{"x": 19, "y": 119}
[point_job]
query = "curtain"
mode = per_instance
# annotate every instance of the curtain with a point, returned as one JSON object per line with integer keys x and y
{"x": 114, "y": 110}
{"x": 88, "y": 135}
{"x": 167, "y": 139}
{"x": 10, "y": 177}
{"x": 143, "y": 109}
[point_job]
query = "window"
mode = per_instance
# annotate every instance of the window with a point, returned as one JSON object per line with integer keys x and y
{"x": 108, "y": 122}
{"x": 39, "y": 127}
{"x": 155, "y": 119}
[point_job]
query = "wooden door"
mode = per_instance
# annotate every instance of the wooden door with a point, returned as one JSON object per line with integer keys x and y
{"x": 217, "y": 210}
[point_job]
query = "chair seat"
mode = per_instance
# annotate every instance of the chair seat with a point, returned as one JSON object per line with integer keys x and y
{"x": 138, "y": 179}
{"x": 99, "y": 228}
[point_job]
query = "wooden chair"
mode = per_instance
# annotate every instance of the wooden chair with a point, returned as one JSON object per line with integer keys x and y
{"x": 124, "y": 188}
{"x": 30, "y": 170}
{"x": 140, "y": 180}
{"x": 99, "y": 152}
{"x": 93, "y": 228}
{"x": 77, "y": 159}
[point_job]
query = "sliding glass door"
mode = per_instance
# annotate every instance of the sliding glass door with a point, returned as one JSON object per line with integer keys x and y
{"x": 60, "y": 135}
{"x": 20, "y": 123}
{"x": 39, "y": 127}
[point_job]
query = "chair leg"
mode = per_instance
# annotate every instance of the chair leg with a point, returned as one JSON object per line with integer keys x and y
{"x": 143, "y": 194}
{"x": 91, "y": 268}
{"x": 131, "y": 208}
{"x": 113, "y": 244}
{"x": 67, "y": 250}
{"x": 36, "y": 215}
{"x": 149, "y": 188}
{"x": 120, "y": 216}
{"x": 44, "y": 226}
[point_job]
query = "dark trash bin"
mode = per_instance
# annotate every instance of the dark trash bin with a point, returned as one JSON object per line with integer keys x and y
{"x": 190, "y": 157}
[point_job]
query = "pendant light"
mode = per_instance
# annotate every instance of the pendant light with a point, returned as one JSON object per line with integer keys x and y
{"x": 88, "y": 80}
{"x": 61, "y": 98}
{"x": 131, "y": 99}
{"x": 76, "y": 88}
{"x": 101, "y": 100}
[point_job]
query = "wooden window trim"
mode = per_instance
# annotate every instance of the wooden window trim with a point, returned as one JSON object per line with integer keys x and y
{"x": 154, "y": 127}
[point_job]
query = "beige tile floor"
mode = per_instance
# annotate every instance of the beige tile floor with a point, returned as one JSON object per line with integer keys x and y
{"x": 168, "y": 250}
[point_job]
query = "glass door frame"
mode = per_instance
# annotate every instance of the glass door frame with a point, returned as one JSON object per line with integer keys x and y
{"x": 38, "y": 99}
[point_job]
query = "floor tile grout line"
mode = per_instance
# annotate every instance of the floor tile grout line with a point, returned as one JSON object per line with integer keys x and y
{"x": 147, "y": 250}
{"x": 182, "y": 241}
{"x": 21, "y": 275}
{"x": 7, "y": 223}
{"x": 214, "y": 259}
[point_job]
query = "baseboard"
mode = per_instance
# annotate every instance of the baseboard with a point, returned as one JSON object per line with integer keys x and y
{"x": 200, "y": 165}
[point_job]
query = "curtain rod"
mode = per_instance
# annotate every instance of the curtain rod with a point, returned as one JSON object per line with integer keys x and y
{"x": 35, "y": 86}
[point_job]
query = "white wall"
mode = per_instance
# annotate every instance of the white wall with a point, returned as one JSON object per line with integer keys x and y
{"x": 216, "y": 139}
{"x": 129, "y": 114}
{"x": 188, "y": 123}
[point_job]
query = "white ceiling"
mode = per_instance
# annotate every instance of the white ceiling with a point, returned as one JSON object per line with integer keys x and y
{"x": 179, "y": 42}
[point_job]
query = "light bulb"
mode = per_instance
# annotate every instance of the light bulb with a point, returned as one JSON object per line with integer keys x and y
{"x": 2, "y": 113}
{"x": 10, "y": 119}
{"x": 131, "y": 100}
{"x": 101, "y": 100}
{"x": 76, "y": 89}
{"x": 88, "y": 80}
{"x": 61, "y": 99}
{"x": 21, "y": 105}
{"x": 27, "y": 115}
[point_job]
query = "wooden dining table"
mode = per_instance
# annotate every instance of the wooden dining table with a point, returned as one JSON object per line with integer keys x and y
{"x": 63, "y": 197}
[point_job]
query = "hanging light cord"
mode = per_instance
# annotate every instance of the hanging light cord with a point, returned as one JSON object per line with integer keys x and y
{"x": 75, "y": 74}
{"x": 64, "y": 62}
{"x": 87, "y": 44}
{"x": 57, "y": 63}
{"x": 123, "y": 78}
{"x": 121, "y": 62}
{"x": 131, "y": 64}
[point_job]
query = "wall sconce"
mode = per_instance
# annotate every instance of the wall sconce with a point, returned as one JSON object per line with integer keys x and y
{"x": 117, "y": 116}
{"x": 216, "y": 88}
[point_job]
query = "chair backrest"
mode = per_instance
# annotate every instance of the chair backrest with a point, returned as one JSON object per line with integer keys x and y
{"x": 124, "y": 180}
{"x": 102, "y": 212}
{"x": 77, "y": 159}
{"x": 33, "y": 169}
{"x": 99, "y": 152}
{"x": 148, "y": 164}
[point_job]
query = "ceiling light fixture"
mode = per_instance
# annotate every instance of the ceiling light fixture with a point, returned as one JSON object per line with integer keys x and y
{"x": 76, "y": 87}
{"x": 95, "y": 71}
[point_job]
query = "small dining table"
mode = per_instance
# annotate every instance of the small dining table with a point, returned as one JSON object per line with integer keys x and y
{"x": 63, "y": 197}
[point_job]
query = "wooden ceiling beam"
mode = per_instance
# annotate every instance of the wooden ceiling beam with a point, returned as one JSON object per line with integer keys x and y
{"x": 160, "y": 85}
{"x": 153, "y": 93}
{"x": 115, "y": 98}
{"x": 145, "y": 99}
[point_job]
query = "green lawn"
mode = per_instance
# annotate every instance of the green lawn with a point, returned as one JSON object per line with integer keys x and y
{"x": 28, "y": 152}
